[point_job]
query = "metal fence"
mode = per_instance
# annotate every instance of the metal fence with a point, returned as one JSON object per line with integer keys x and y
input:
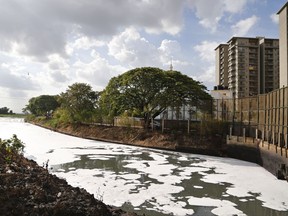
{"x": 268, "y": 113}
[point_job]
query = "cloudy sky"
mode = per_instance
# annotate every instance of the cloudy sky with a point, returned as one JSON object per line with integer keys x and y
{"x": 47, "y": 45}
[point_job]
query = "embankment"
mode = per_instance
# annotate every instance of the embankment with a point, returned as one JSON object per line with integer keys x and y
{"x": 174, "y": 141}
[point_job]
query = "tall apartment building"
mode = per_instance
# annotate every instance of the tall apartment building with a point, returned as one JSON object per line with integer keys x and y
{"x": 283, "y": 39}
{"x": 253, "y": 65}
{"x": 222, "y": 65}
{"x": 269, "y": 65}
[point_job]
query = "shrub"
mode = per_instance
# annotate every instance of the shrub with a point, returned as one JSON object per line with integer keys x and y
{"x": 12, "y": 145}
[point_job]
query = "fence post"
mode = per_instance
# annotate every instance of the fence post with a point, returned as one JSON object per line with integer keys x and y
{"x": 222, "y": 109}
{"x": 286, "y": 142}
{"x": 188, "y": 126}
{"x": 244, "y": 134}
{"x": 268, "y": 138}
{"x": 217, "y": 109}
{"x": 279, "y": 142}
{"x": 230, "y": 133}
{"x": 263, "y": 136}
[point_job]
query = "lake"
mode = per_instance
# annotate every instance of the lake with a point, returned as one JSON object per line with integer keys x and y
{"x": 154, "y": 182}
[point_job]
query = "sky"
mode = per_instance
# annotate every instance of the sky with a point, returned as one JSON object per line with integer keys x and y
{"x": 47, "y": 45}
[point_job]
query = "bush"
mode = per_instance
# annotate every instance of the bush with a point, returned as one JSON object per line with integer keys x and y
{"x": 213, "y": 127}
{"x": 12, "y": 145}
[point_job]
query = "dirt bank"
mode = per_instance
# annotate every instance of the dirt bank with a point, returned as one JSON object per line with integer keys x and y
{"x": 176, "y": 140}
{"x": 28, "y": 189}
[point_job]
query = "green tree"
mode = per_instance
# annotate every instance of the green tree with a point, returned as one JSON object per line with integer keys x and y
{"x": 183, "y": 90}
{"x": 5, "y": 110}
{"x": 146, "y": 92}
{"x": 42, "y": 104}
{"x": 79, "y": 102}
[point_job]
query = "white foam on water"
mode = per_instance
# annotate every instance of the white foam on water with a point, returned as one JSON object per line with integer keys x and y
{"x": 198, "y": 187}
{"x": 224, "y": 207}
{"x": 227, "y": 211}
{"x": 247, "y": 178}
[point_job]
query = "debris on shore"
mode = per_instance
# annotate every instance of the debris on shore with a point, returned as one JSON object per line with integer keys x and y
{"x": 29, "y": 189}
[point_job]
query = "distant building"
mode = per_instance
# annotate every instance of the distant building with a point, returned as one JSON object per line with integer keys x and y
{"x": 269, "y": 65}
{"x": 222, "y": 66}
{"x": 248, "y": 66}
{"x": 283, "y": 39}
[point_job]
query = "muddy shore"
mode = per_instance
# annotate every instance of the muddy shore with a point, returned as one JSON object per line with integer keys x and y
{"x": 28, "y": 189}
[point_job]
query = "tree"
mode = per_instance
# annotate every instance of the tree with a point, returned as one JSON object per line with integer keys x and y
{"x": 5, "y": 110}
{"x": 42, "y": 104}
{"x": 79, "y": 101}
{"x": 146, "y": 92}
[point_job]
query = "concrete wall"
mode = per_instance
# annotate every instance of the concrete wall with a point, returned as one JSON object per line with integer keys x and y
{"x": 257, "y": 151}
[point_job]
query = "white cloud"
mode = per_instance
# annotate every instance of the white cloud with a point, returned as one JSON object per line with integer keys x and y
{"x": 170, "y": 50}
{"x": 210, "y": 13}
{"x": 207, "y": 75}
{"x": 135, "y": 51}
{"x": 84, "y": 43}
{"x": 16, "y": 81}
{"x": 275, "y": 18}
{"x": 41, "y": 28}
{"x": 59, "y": 76}
{"x": 56, "y": 62}
{"x": 130, "y": 48}
{"x": 234, "y": 6}
{"x": 242, "y": 27}
{"x": 57, "y": 68}
{"x": 207, "y": 55}
{"x": 97, "y": 72}
{"x": 209, "y": 16}
{"x": 206, "y": 50}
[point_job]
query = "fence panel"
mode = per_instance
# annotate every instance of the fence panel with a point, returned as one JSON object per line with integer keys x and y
{"x": 267, "y": 112}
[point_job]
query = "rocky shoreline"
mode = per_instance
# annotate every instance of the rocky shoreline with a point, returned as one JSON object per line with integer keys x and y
{"x": 28, "y": 189}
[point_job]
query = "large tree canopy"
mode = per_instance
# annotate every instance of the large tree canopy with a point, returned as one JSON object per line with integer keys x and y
{"x": 146, "y": 92}
{"x": 79, "y": 101}
{"x": 42, "y": 104}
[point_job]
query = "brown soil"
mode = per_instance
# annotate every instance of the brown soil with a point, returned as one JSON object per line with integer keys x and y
{"x": 28, "y": 189}
{"x": 135, "y": 136}
{"x": 176, "y": 141}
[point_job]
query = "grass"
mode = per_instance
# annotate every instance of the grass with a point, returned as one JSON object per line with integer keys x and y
{"x": 13, "y": 115}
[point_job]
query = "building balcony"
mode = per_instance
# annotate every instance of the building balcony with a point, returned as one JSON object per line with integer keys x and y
{"x": 231, "y": 76}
